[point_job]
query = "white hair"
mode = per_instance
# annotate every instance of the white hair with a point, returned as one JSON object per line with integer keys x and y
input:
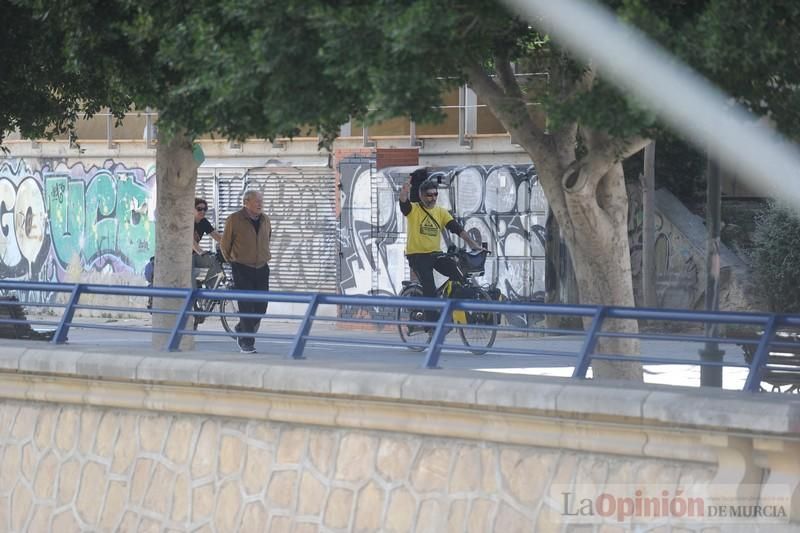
{"x": 248, "y": 195}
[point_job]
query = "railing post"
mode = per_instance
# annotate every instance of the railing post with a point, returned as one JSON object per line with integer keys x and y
{"x": 305, "y": 327}
{"x": 761, "y": 356}
{"x": 180, "y": 323}
{"x": 60, "y": 336}
{"x": 589, "y": 344}
{"x": 439, "y": 333}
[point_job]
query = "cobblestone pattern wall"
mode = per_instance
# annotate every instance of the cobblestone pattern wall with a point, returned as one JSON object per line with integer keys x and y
{"x": 70, "y": 469}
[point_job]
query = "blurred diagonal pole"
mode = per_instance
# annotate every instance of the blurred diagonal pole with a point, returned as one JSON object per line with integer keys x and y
{"x": 683, "y": 99}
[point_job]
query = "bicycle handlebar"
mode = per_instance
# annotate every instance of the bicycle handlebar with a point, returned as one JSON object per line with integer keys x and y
{"x": 452, "y": 251}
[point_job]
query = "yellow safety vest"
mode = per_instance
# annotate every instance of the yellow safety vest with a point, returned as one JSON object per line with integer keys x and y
{"x": 423, "y": 233}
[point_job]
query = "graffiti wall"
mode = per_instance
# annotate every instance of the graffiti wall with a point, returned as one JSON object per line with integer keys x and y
{"x": 678, "y": 261}
{"x": 60, "y": 223}
{"x": 300, "y": 202}
{"x": 503, "y": 206}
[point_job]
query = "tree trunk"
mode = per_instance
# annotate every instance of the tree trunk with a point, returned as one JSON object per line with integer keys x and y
{"x": 601, "y": 257}
{"x": 176, "y": 175}
{"x": 560, "y": 283}
{"x": 586, "y": 195}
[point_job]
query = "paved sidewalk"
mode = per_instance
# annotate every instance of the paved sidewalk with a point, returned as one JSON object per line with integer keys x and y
{"x": 344, "y": 346}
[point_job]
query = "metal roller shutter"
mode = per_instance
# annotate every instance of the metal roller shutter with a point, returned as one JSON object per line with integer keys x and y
{"x": 301, "y": 205}
{"x": 228, "y": 190}
{"x": 205, "y": 189}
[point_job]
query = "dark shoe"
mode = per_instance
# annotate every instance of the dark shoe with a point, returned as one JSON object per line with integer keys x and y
{"x": 245, "y": 346}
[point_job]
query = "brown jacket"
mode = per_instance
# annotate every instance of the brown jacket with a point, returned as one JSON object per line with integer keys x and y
{"x": 241, "y": 244}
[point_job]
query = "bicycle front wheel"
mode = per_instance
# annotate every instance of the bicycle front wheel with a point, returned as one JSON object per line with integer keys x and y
{"x": 479, "y": 339}
{"x": 406, "y": 319}
{"x": 202, "y": 306}
{"x": 229, "y": 310}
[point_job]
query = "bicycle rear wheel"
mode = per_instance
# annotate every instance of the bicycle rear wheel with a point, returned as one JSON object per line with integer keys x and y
{"x": 229, "y": 309}
{"x": 479, "y": 340}
{"x": 407, "y": 316}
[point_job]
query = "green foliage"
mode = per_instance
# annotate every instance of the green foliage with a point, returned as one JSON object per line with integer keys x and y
{"x": 750, "y": 50}
{"x": 776, "y": 258}
{"x": 42, "y": 92}
{"x": 602, "y": 107}
{"x": 269, "y": 67}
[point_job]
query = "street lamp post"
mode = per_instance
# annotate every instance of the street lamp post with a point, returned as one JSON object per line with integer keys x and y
{"x": 711, "y": 376}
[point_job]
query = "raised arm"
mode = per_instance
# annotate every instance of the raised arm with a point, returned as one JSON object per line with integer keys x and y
{"x": 405, "y": 204}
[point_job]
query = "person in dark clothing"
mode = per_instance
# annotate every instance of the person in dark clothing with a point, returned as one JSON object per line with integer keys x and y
{"x": 245, "y": 245}
{"x": 425, "y": 223}
{"x": 202, "y": 227}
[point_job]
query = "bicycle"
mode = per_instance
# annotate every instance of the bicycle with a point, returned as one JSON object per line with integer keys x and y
{"x": 478, "y": 339}
{"x": 207, "y": 305}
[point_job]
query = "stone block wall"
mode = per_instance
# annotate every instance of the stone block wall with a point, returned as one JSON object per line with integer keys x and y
{"x": 109, "y": 442}
{"x": 69, "y": 468}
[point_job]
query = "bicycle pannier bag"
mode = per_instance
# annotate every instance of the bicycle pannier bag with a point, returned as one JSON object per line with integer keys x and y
{"x": 472, "y": 262}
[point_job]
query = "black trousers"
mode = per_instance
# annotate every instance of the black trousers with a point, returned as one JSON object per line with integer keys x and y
{"x": 424, "y": 265}
{"x": 247, "y": 278}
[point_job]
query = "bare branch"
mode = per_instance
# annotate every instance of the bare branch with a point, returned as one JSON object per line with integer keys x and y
{"x": 633, "y": 146}
{"x": 510, "y": 110}
{"x": 565, "y": 141}
{"x": 508, "y": 81}
{"x": 601, "y": 144}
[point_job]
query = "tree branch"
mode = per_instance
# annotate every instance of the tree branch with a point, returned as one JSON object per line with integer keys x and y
{"x": 633, "y": 146}
{"x": 604, "y": 152}
{"x": 508, "y": 81}
{"x": 510, "y": 110}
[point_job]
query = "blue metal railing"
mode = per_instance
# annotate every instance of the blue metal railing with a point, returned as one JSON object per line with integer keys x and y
{"x": 763, "y": 341}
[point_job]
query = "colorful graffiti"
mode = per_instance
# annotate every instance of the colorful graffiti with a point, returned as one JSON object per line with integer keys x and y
{"x": 59, "y": 219}
{"x": 503, "y": 206}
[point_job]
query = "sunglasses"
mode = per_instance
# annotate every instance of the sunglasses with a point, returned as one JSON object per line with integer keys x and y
{"x": 201, "y": 208}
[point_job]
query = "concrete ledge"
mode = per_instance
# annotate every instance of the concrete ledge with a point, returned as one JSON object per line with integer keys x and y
{"x": 101, "y": 366}
{"x": 50, "y": 361}
{"x": 751, "y": 412}
{"x": 10, "y": 356}
{"x": 605, "y": 399}
{"x": 565, "y": 399}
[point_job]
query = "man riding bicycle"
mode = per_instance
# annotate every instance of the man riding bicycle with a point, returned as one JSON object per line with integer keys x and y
{"x": 426, "y": 221}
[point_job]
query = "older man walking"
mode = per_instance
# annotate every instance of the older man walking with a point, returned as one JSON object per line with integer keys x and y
{"x": 245, "y": 245}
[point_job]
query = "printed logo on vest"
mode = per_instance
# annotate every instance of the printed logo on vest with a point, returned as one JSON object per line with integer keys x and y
{"x": 428, "y": 228}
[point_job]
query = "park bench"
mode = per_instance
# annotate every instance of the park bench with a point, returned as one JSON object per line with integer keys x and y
{"x": 782, "y": 372}
{"x": 10, "y": 308}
